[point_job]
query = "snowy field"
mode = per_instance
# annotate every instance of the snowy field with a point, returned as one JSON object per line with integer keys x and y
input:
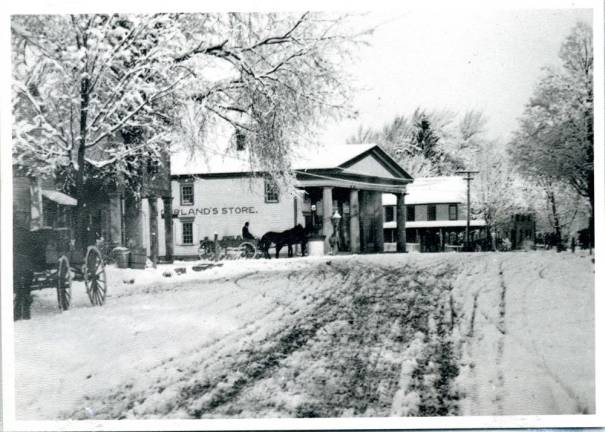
{"x": 379, "y": 335}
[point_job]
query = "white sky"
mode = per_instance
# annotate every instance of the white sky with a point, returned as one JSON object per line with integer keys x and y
{"x": 438, "y": 54}
{"x": 456, "y": 59}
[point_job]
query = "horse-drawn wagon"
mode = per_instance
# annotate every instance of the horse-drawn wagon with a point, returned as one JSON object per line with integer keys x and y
{"x": 44, "y": 255}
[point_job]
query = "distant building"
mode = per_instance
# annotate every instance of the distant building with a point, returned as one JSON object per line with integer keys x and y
{"x": 113, "y": 215}
{"x": 520, "y": 230}
{"x": 435, "y": 215}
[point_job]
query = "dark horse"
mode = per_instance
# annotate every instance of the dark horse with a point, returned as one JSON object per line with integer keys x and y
{"x": 295, "y": 235}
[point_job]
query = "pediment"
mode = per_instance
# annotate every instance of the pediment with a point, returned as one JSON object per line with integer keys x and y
{"x": 369, "y": 165}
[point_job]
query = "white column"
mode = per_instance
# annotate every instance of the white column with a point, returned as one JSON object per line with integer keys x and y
{"x": 354, "y": 221}
{"x": 327, "y": 215}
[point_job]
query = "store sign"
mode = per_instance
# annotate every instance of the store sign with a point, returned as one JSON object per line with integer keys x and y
{"x": 213, "y": 211}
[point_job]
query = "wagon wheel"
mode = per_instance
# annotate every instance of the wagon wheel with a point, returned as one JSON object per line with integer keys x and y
{"x": 247, "y": 250}
{"x": 205, "y": 251}
{"x": 94, "y": 276}
{"x": 63, "y": 283}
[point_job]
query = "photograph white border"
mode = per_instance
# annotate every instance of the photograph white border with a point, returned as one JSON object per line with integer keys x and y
{"x": 7, "y": 326}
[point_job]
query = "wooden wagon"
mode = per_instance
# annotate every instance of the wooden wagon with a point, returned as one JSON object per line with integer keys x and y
{"x": 43, "y": 249}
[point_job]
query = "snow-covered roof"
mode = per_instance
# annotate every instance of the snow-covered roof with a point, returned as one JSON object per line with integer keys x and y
{"x": 216, "y": 162}
{"x": 59, "y": 197}
{"x": 437, "y": 224}
{"x": 184, "y": 163}
{"x": 329, "y": 156}
{"x": 432, "y": 190}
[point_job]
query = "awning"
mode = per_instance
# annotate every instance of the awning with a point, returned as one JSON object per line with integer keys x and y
{"x": 59, "y": 197}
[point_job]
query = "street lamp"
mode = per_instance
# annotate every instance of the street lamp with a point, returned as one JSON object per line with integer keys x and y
{"x": 313, "y": 211}
{"x": 468, "y": 179}
{"x": 336, "y": 217}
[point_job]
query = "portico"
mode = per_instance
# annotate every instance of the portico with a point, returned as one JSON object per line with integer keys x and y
{"x": 338, "y": 197}
{"x": 349, "y": 194}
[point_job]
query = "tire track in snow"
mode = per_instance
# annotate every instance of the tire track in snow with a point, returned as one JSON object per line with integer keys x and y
{"x": 127, "y": 397}
{"x": 501, "y": 340}
{"x": 215, "y": 384}
{"x": 473, "y": 333}
{"x": 257, "y": 364}
{"x": 540, "y": 360}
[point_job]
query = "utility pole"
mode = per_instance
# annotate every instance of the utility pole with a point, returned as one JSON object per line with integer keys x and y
{"x": 468, "y": 179}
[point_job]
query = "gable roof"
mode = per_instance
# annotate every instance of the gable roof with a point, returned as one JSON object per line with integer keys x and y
{"x": 332, "y": 157}
{"x": 432, "y": 190}
{"x": 328, "y": 157}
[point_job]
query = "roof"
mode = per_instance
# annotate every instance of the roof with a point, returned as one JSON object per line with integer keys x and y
{"x": 326, "y": 157}
{"x": 436, "y": 224}
{"x": 314, "y": 158}
{"x": 59, "y": 197}
{"x": 432, "y": 190}
{"x": 184, "y": 163}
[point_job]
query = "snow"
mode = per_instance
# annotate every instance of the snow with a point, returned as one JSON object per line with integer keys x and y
{"x": 434, "y": 190}
{"x": 373, "y": 335}
{"x": 328, "y": 156}
{"x": 220, "y": 160}
{"x": 532, "y": 345}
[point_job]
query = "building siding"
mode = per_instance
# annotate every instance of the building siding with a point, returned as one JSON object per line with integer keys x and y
{"x": 421, "y": 212}
{"x": 370, "y": 166}
{"x": 222, "y": 205}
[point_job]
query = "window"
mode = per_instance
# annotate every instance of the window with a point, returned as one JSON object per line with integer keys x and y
{"x": 271, "y": 192}
{"x": 453, "y": 211}
{"x": 187, "y": 232}
{"x": 389, "y": 213}
{"x": 240, "y": 140}
{"x": 411, "y": 213}
{"x": 431, "y": 212}
{"x": 187, "y": 194}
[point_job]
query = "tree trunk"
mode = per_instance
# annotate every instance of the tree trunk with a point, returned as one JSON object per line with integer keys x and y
{"x": 591, "y": 220}
{"x": 81, "y": 211}
{"x": 556, "y": 223}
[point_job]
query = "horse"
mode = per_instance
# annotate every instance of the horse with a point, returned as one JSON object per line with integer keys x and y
{"x": 295, "y": 235}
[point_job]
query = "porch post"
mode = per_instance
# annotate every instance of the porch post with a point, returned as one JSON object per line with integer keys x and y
{"x": 378, "y": 222}
{"x": 168, "y": 229}
{"x": 37, "y": 212}
{"x": 327, "y": 216}
{"x": 135, "y": 222}
{"x": 115, "y": 218}
{"x": 401, "y": 216}
{"x": 441, "y": 239}
{"x": 354, "y": 221}
{"x": 153, "y": 230}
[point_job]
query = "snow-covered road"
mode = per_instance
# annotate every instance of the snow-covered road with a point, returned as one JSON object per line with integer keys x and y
{"x": 430, "y": 334}
{"x": 532, "y": 344}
